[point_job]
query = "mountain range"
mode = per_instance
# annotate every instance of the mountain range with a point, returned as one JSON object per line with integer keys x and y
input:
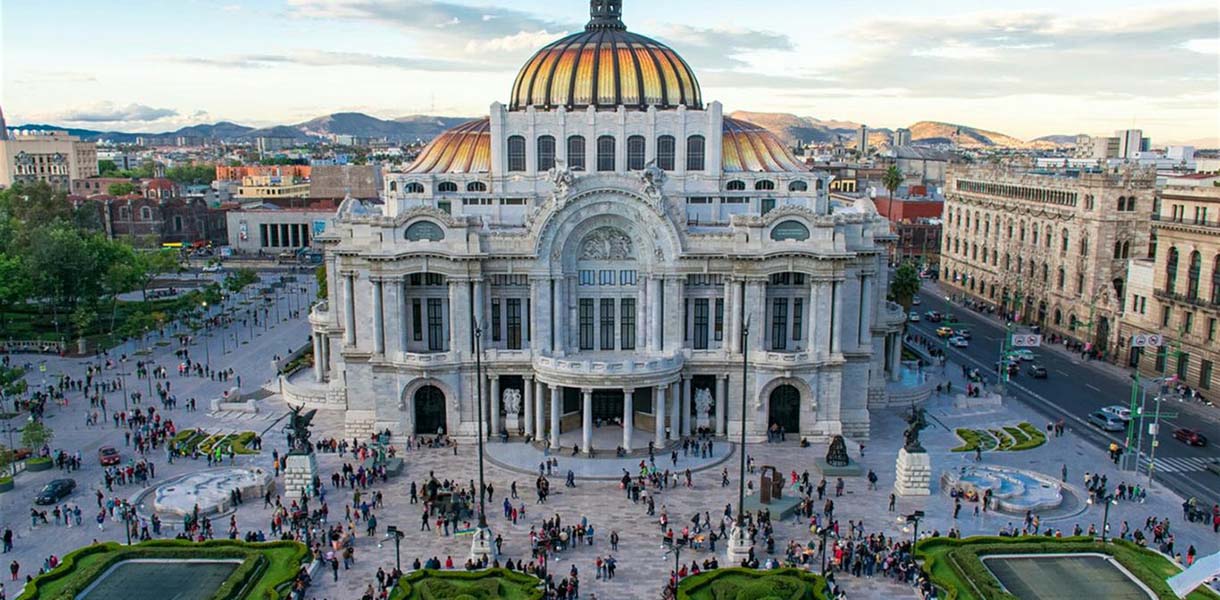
{"x": 792, "y": 129}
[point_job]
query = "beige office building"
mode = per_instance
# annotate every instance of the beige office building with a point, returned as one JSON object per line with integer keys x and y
{"x": 1047, "y": 247}
{"x": 1175, "y": 292}
{"x": 54, "y": 157}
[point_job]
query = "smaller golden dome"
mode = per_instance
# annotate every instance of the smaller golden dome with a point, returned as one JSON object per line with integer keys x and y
{"x": 463, "y": 149}
{"x": 749, "y": 148}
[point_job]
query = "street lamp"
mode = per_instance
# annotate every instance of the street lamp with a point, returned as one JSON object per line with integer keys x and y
{"x": 739, "y": 545}
{"x": 207, "y": 346}
{"x": 1106, "y": 498}
{"x": 674, "y": 548}
{"x": 824, "y": 532}
{"x": 481, "y": 545}
{"x": 913, "y": 520}
{"x": 397, "y": 534}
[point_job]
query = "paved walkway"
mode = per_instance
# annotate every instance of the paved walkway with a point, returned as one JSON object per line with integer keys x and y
{"x": 525, "y": 458}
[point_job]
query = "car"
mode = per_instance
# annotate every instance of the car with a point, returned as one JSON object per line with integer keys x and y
{"x": 22, "y": 453}
{"x": 950, "y": 317}
{"x": 915, "y": 302}
{"x": 932, "y": 316}
{"x": 1023, "y": 355}
{"x": 107, "y": 455}
{"x": 1190, "y": 437}
{"x": 962, "y": 333}
{"x": 1105, "y": 421}
{"x": 944, "y": 331}
{"x": 56, "y": 490}
{"x": 913, "y": 317}
{"x": 1013, "y": 367}
{"x": 1037, "y": 371}
{"x": 1118, "y": 411}
{"x": 212, "y": 268}
{"x": 958, "y": 341}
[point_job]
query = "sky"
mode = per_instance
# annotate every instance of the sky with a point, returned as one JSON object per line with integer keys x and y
{"x": 1027, "y": 69}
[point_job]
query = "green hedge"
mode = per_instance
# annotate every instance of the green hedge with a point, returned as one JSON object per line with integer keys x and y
{"x": 739, "y": 583}
{"x": 487, "y": 584}
{"x": 954, "y": 565}
{"x": 264, "y": 567}
{"x": 1006, "y": 439}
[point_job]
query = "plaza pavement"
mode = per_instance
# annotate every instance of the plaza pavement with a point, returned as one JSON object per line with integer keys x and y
{"x": 643, "y": 565}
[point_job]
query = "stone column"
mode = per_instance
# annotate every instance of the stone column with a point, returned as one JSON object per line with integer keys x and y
{"x": 495, "y": 405}
{"x": 658, "y": 409}
{"x": 836, "y": 323}
{"x": 675, "y": 408}
{"x": 822, "y": 293}
{"x": 896, "y": 357}
{"x": 349, "y": 309}
{"x": 403, "y": 309}
{"x": 461, "y": 335}
{"x": 812, "y": 317}
{"x": 317, "y": 358}
{"x": 378, "y": 319}
{"x": 586, "y": 420}
{"x": 628, "y": 417}
{"x": 539, "y": 410}
{"x": 479, "y": 300}
{"x": 540, "y": 314}
{"x": 686, "y": 383}
{"x": 641, "y": 316}
{"x": 556, "y": 408}
{"x": 756, "y": 307}
{"x": 721, "y": 404}
{"x": 672, "y": 318}
{"x": 866, "y": 310}
{"x": 529, "y": 405}
{"x": 657, "y": 320}
{"x": 732, "y": 308}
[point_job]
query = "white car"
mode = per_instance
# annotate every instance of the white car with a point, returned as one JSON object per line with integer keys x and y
{"x": 1119, "y": 411}
{"x": 1023, "y": 354}
{"x": 915, "y": 302}
{"x": 913, "y": 317}
{"x": 212, "y": 268}
{"x": 958, "y": 341}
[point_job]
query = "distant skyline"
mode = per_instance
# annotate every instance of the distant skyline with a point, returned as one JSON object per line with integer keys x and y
{"x": 1027, "y": 69}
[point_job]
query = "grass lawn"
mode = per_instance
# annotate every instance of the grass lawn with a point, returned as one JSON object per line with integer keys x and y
{"x": 489, "y": 584}
{"x": 1005, "y": 439}
{"x": 955, "y": 567}
{"x": 205, "y": 442}
{"x": 737, "y": 582}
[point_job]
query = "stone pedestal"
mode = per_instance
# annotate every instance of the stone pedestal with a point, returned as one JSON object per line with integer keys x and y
{"x": 738, "y": 548}
{"x": 703, "y": 422}
{"x": 483, "y": 544}
{"x": 512, "y": 424}
{"x": 299, "y": 471}
{"x": 914, "y": 474}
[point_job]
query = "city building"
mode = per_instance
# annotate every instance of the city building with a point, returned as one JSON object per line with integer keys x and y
{"x": 261, "y": 187}
{"x": 1175, "y": 290}
{"x": 150, "y": 221}
{"x": 902, "y": 137}
{"x": 605, "y": 241}
{"x": 237, "y": 173}
{"x": 862, "y": 140}
{"x": 53, "y": 157}
{"x": 915, "y": 218}
{"x": 271, "y": 227}
{"x": 920, "y": 165}
{"x": 1048, "y": 247}
{"x": 337, "y": 181}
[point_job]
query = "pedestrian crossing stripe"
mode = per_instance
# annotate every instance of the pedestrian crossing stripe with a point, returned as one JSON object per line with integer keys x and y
{"x": 1177, "y": 464}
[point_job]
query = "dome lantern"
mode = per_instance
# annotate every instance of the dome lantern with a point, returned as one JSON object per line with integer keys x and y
{"x": 605, "y": 14}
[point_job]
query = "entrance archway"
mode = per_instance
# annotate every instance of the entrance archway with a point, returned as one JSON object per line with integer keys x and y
{"x": 429, "y": 410}
{"x": 785, "y": 408}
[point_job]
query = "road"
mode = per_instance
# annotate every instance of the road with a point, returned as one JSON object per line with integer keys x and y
{"x": 1073, "y": 389}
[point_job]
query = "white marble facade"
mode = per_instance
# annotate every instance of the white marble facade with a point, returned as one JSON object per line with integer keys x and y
{"x": 607, "y": 293}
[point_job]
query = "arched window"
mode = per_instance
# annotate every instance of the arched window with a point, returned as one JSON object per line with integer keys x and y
{"x": 665, "y": 152}
{"x": 1072, "y": 322}
{"x": 1118, "y": 287}
{"x": 1127, "y": 249}
{"x": 546, "y": 153}
{"x": 413, "y": 188}
{"x": 790, "y": 230}
{"x": 1152, "y": 246}
{"x": 605, "y": 153}
{"x": 798, "y": 186}
{"x": 1130, "y": 203}
{"x": 736, "y": 185}
{"x": 516, "y": 153}
{"x": 393, "y": 186}
{"x": 1118, "y": 249}
{"x": 576, "y": 153}
{"x": 424, "y": 230}
{"x": 1035, "y": 234}
{"x": 1061, "y": 278}
{"x": 1058, "y": 317}
{"x": 1122, "y": 204}
{"x": 1216, "y": 280}
{"x": 635, "y": 153}
{"x": 1192, "y": 275}
{"x": 1171, "y": 270}
{"x": 694, "y": 153}
{"x": 1084, "y": 246}
{"x": 1046, "y": 273}
{"x": 1063, "y": 243}
{"x": 145, "y": 213}
{"x": 446, "y": 186}
{"x": 764, "y": 185}
{"x": 476, "y": 186}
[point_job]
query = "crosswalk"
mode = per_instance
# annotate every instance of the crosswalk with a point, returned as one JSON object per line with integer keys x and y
{"x": 1177, "y": 464}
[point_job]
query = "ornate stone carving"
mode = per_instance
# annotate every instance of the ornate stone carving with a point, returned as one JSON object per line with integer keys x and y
{"x": 606, "y": 243}
{"x": 653, "y": 180}
{"x": 703, "y": 402}
{"x": 563, "y": 178}
{"x": 512, "y": 401}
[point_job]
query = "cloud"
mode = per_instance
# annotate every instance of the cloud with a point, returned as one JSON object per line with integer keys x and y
{"x": 316, "y": 58}
{"x": 106, "y": 112}
{"x": 720, "y": 48}
{"x": 476, "y": 22}
{"x": 521, "y": 42}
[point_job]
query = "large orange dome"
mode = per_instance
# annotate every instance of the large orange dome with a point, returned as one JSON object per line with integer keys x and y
{"x": 605, "y": 66}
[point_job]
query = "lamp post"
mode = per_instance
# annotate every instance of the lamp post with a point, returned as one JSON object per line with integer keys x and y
{"x": 824, "y": 532}
{"x": 481, "y": 545}
{"x": 675, "y": 548}
{"x": 397, "y": 534}
{"x": 739, "y": 546}
{"x": 1107, "y": 498}
{"x": 207, "y": 345}
{"x": 913, "y": 519}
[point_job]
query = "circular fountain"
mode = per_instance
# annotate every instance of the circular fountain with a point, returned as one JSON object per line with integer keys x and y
{"x": 1012, "y": 490}
{"x": 210, "y": 490}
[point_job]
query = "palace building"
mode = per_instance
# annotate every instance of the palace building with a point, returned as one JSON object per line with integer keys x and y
{"x": 604, "y": 240}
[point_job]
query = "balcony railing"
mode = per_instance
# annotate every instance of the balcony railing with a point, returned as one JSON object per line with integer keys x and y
{"x": 1183, "y": 298}
{"x": 1183, "y": 220}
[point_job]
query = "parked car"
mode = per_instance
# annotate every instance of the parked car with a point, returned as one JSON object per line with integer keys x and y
{"x": 913, "y": 317}
{"x": 962, "y": 333}
{"x": 1190, "y": 437}
{"x": 932, "y": 316}
{"x": 212, "y": 268}
{"x": 958, "y": 341}
{"x": 944, "y": 331}
{"x": 56, "y": 490}
{"x": 915, "y": 302}
{"x": 107, "y": 455}
{"x": 1118, "y": 410}
{"x": 1037, "y": 371}
{"x": 1105, "y": 421}
{"x": 1023, "y": 354}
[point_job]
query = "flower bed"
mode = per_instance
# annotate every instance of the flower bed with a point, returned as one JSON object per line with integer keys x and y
{"x": 488, "y": 584}
{"x": 739, "y": 583}
{"x": 1005, "y": 439}
{"x": 193, "y": 439}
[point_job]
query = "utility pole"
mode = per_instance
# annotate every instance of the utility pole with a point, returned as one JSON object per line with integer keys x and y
{"x": 1156, "y": 420}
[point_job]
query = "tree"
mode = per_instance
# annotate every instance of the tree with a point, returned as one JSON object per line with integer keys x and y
{"x": 121, "y": 189}
{"x": 193, "y": 174}
{"x": 238, "y": 280}
{"x": 151, "y": 265}
{"x": 82, "y": 319}
{"x": 36, "y": 434}
{"x": 106, "y": 168}
{"x": 6, "y": 460}
{"x": 891, "y": 180}
{"x": 905, "y": 285}
{"x": 320, "y": 275}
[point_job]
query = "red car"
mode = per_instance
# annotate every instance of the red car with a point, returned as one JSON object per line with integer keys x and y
{"x": 1190, "y": 437}
{"x": 107, "y": 455}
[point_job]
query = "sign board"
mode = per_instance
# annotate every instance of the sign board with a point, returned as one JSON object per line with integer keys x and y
{"x": 1026, "y": 340}
{"x": 1147, "y": 340}
{"x": 1153, "y": 428}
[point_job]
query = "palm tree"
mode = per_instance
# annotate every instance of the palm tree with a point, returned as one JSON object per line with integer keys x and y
{"x": 891, "y": 180}
{"x": 905, "y": 285}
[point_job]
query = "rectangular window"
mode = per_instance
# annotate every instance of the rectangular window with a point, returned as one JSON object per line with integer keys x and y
{"x": 1205, "y": 375}
{"x": 585, "y": 313}
{"x": 576, "y": 153}
{"x": 495, "y": 319}
{"x": 513, "y": 317}
{"x": 626, "y": 277}
{"x": 665, "y": 152}
{"x": 528, "y": 313}
{"x": 635, "y": 153}
{"x": 718, "y": 326}
{"x": 263, "y": 237}
{"x": 779, "y": 324}
{"x": 586, "y": 277}
{"x": 605, "y": 277}
{"x": 1188, "y": 322}
{"x": 626, "y": 320}
{"x": 436, "y": 329}
{"x": 1160, "y": 358}
{"x": 1211, "y": 330}
{"x": 1183, "y": 365}
{"x": 686, "y": 320}
{"x": 417, "y": 320}
{"x": 605, "y": 153}
{"x": 1165, "y": 314}
{"x": 797, "y": 306}
{"x": 546, "y": 153}
{"x": 607, "y": 323}
{"x": 701, "y": 323}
